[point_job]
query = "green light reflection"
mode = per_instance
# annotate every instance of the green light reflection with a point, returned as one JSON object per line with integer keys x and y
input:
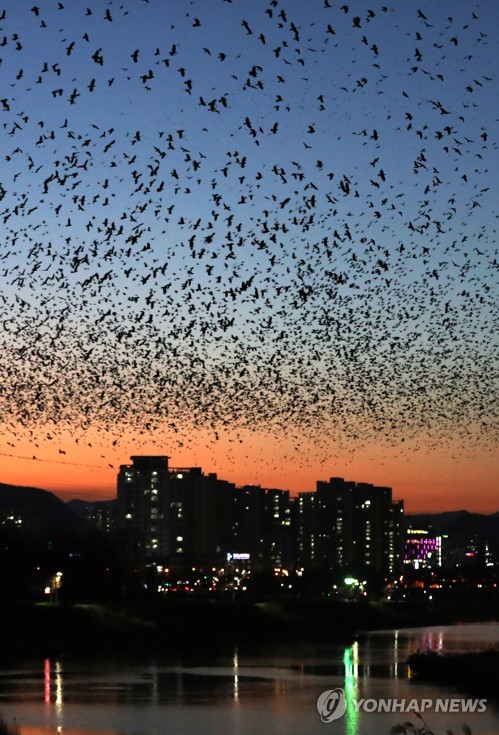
{"x": 351, "y": 664}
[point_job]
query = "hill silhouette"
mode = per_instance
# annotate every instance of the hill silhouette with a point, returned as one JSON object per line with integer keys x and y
{"x": 40, "y": 510}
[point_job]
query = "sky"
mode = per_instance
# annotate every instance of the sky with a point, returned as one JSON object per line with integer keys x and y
{"x": 259, "y": 238}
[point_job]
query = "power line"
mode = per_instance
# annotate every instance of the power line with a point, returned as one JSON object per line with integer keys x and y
{"x": 59, "y": 461}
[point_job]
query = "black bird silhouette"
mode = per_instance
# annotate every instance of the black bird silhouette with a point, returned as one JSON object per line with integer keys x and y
{"x": 271, "y": 232}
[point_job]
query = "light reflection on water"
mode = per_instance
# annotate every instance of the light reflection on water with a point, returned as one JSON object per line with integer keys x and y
{"x": 263, "y": 690}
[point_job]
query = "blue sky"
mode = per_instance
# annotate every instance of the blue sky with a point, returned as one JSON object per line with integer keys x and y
{"x": 262, "y": 217}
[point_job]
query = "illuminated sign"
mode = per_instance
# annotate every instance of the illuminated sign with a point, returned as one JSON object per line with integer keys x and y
{"x": 237, "y": 557}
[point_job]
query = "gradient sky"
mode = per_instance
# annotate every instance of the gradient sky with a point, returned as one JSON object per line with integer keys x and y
{"x": 260, "y": 238}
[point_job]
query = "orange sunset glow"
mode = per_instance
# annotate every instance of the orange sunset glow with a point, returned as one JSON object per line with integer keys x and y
{"x": 428, "y": 481}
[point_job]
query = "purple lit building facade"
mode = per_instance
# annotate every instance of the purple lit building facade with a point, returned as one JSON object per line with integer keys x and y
{"x": 422, "y": 549}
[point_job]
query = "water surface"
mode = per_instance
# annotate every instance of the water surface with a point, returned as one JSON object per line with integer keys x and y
{"x": 272, "y": 689}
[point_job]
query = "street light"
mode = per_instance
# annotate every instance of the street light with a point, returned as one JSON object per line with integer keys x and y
{"x": 56, "y": 585}
{"x": 351, "y": 583}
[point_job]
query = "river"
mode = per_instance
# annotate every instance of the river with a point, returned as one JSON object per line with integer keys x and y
{"x": 249, "y": 691}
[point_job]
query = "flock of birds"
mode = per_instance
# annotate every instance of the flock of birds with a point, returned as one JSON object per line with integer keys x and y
{"x": 231, "y": 216}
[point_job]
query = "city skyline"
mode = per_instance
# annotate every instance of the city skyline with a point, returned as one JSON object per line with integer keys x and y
{"x": 182, "y": 517}
{"x": 422, "y": 499}
{"x": 259, "y": 238}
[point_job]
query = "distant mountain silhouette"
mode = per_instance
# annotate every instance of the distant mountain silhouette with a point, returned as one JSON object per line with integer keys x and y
{"x": 41, "y": 511}
{"x": 455, "y": 519}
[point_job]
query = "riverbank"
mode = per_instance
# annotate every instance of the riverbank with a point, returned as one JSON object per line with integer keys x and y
{"x": 203, "y": 624}
{"x": 472, "y": 672}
